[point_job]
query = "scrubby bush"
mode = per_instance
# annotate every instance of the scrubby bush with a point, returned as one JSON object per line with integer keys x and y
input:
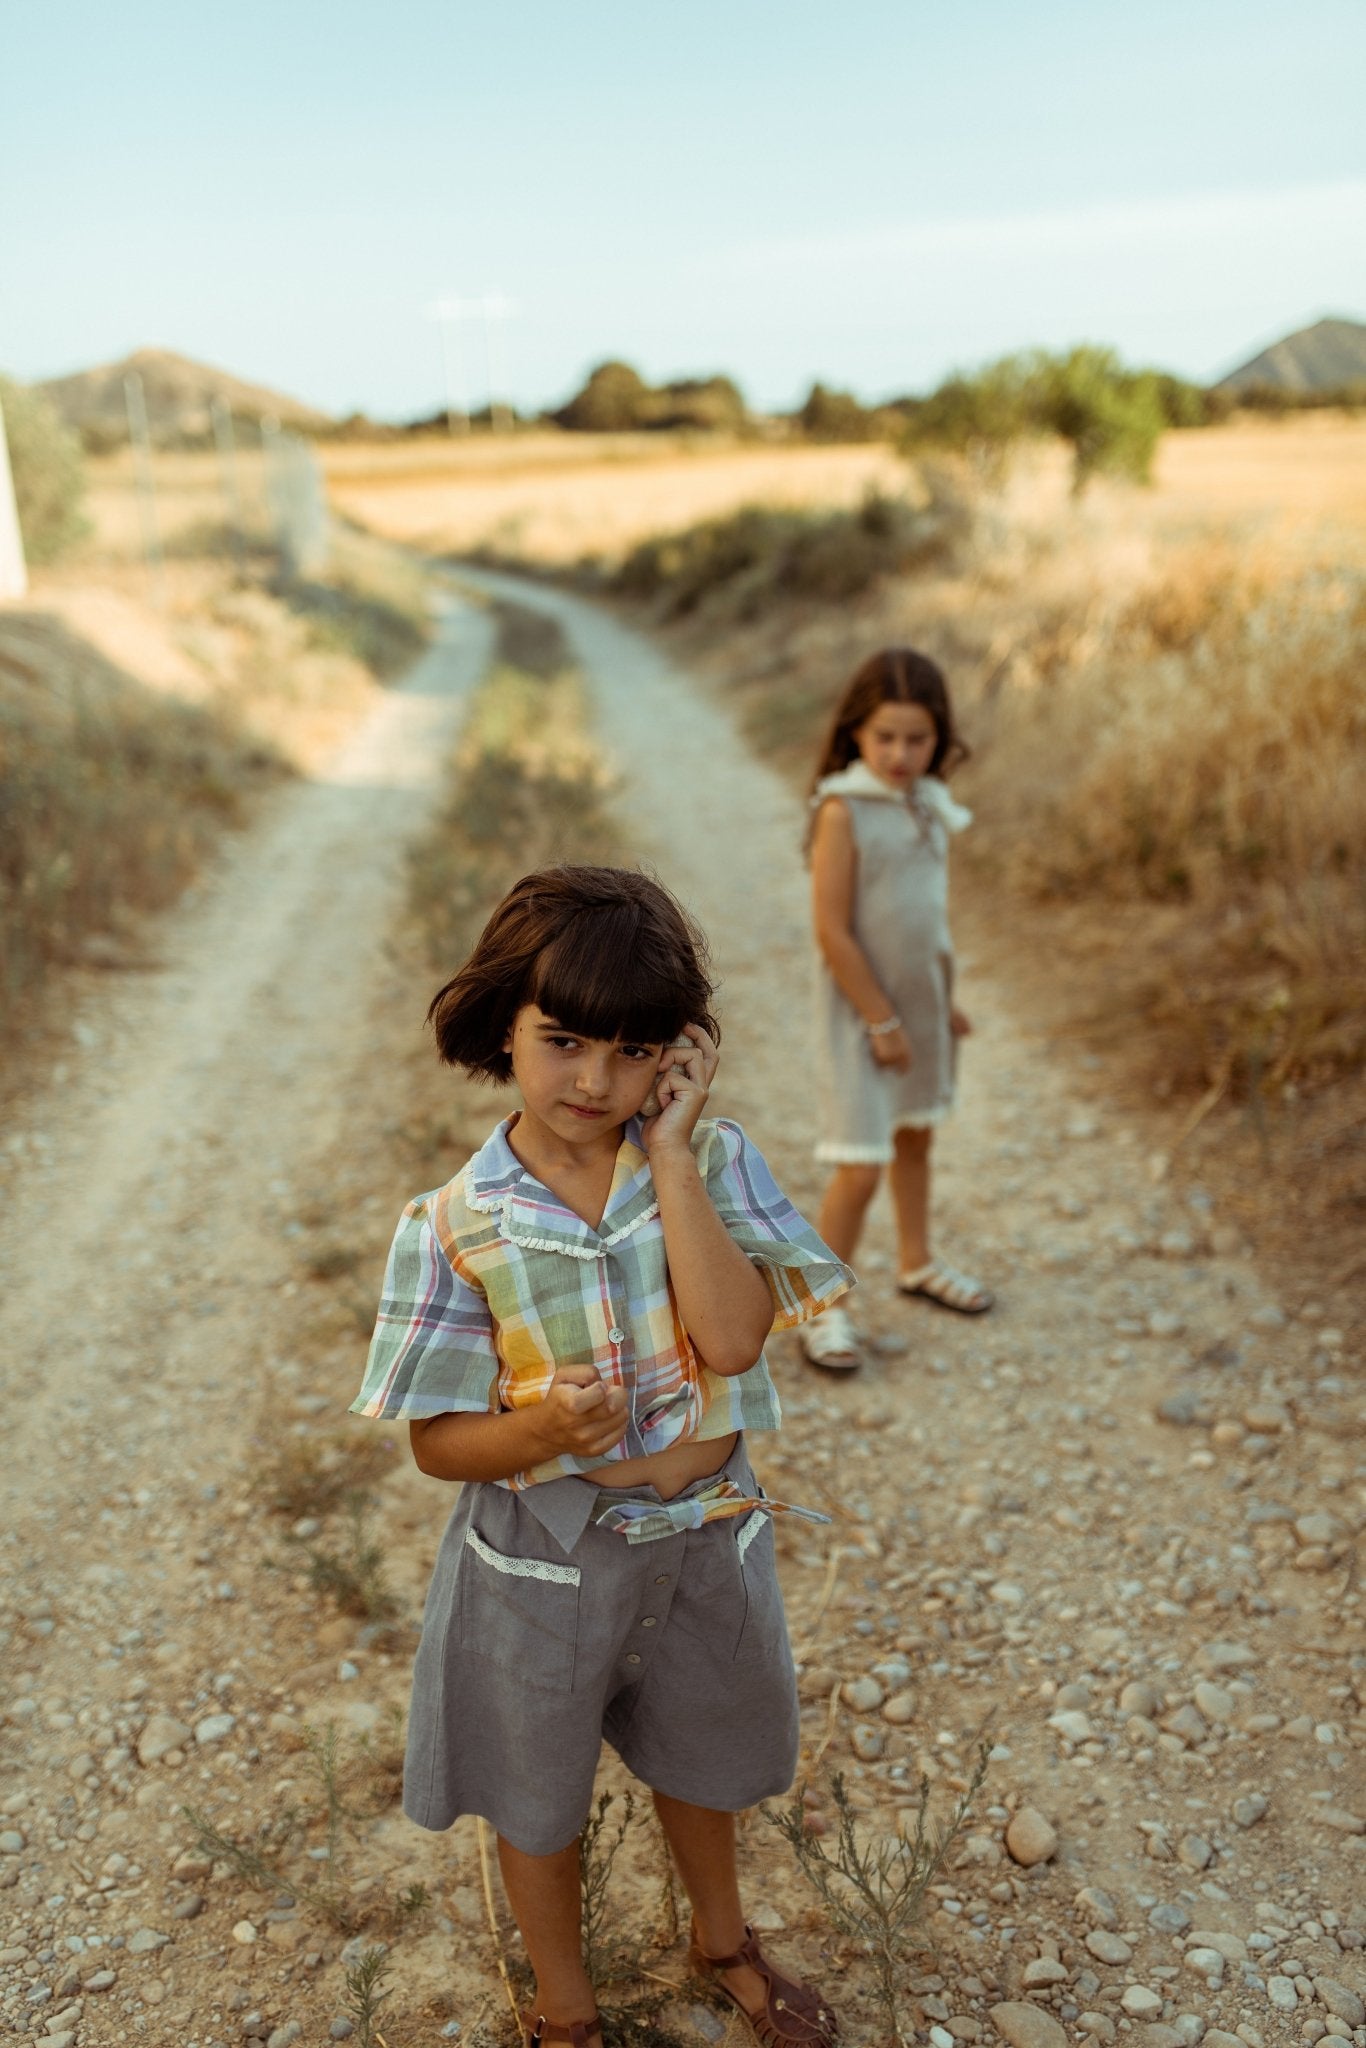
{"x": 49, "y": 472}
{"x": 617, "y": 400}
{"x": 741, "y": 564}
{"x": 1111, "y": 417}
{"x": 838, "y": 416}
{"x": 611, "y": 402}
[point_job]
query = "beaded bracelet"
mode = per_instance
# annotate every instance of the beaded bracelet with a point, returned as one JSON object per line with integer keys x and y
{"x": 884, "y": 1029}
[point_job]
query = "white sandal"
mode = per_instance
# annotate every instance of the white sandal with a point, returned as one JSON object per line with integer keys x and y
{"x": 946, "y": 1288}
{"x": 830, "y": 1342}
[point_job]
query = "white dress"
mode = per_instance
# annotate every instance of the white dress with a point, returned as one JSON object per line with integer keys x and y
{"x": 901, "y": 922}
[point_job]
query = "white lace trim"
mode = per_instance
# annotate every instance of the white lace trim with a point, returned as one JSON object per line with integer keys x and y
{"x": 924, "y": 1119}
{"x": 501, "y": 1204}
{"x": 927, "y": 792}
{"x": 522, "y": 1567}
{"x": 749, "y": 1529}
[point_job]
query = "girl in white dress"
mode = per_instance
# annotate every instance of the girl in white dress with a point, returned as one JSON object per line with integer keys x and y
{"x": 887, "y": 1023}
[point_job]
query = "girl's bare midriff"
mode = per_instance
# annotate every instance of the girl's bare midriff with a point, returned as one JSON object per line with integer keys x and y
{"x": 668, "y": 1471}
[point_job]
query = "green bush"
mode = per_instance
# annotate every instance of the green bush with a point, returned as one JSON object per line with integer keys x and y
{"x": 613, "y": 401}
{"x": 49, "y": 473}
{"x": 1111, "y": 417}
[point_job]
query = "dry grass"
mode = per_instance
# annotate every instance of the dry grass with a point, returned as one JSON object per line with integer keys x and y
{"x": 560, "y": 500}
{"x": 1205, "y": 755}
{"x": 529, "y": 787}
{"x": 133, "y": 731}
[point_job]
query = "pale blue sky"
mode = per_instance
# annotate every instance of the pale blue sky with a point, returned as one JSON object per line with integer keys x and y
{"x": 871, "y": 192}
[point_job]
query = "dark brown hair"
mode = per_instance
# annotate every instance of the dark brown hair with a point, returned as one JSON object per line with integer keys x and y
{"x": 897, "y": 675}
{"x": 607, "y": 952}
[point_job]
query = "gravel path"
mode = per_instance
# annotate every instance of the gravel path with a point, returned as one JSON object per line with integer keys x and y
{"x": 1117, "y": 1522}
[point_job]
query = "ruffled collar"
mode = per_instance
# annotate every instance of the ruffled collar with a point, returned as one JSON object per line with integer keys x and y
{"x": 926, "y": 794}
{"x": 530, "y": 1215}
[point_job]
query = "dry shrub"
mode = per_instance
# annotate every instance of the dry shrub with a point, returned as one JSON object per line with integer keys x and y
{"x": 746, "y": 563}
{"x": 316, "y": 1474}
{"x": 1211, "y": 756}
{"x": 109, "y": 796}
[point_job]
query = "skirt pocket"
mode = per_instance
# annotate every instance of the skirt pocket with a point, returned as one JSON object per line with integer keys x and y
{"x": 521, "y": 1613}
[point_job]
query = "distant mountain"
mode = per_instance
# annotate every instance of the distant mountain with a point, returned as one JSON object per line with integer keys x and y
{"x": 1325, "y": 357}
{"x": 178, "y": 393}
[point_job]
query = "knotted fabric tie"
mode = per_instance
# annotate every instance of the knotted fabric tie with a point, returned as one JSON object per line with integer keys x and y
{"x": 649, "y": 1521}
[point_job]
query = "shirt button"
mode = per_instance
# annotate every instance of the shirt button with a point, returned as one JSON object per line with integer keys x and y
{"x": 649, "y": 1621}
{"x": 616, "y": 1336}
{"x": 632, "y": 1657}
{"x": 663, "y": 1581}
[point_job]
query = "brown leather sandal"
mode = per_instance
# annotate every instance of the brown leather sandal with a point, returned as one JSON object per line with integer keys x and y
{"x": 576, "y": 2033}
{"x": 793, "y": 2016}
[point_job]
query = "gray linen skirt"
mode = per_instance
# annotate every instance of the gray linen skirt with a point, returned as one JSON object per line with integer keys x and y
{"x": 676, "y": 1651}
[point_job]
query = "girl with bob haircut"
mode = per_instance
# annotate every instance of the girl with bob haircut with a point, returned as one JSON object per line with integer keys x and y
{"x": 573, "y": 1326}
{"x": 887, "y": 1023}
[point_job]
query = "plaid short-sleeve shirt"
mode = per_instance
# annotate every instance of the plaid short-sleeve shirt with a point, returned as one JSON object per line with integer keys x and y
{"x": 493, "y": 1284}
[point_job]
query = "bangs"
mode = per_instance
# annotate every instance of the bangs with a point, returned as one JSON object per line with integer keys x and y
{"x": 607, "y": 975}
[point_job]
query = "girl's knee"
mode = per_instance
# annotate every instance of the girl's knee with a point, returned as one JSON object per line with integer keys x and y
{"x": 913, "y": 1141}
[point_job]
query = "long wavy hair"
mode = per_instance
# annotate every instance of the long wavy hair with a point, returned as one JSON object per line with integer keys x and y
{"x": 895, "y": 675}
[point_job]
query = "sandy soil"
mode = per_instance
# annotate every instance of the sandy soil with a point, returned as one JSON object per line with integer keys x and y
{"x": 1116, "y": 1524}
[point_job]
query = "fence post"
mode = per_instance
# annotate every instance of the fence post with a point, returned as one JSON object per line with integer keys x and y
{"x": 139, "y": 437}
{"x": 13, "y": 568}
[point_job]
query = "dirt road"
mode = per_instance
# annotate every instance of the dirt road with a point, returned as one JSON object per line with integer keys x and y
{"x": 1119, "y": 1518}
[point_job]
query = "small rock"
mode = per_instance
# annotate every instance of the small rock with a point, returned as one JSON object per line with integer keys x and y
{"x": 1215, "y": 1702}
{"x": 160, "y": 1735}
{"x": 1206, "y": 1963}
{"x": 1165, "y": 1322}
{"x": 1282, "y": 1993}
{"x": 1043, "y": 1971}
{"x": 11, "y": 1842}
{"x": 1190, "y": 2027}
{"x": 145, "y": 1940}
{"x": 767, "y": 1919}
{"x": 864, "y": 1694}
{"x": 1339, "y": 1817}
{"x": 1195, "y": 1852}
{"x": 1251, "y": 1808}
{"x": 899, "y": 1709}
{"x": 1138, "y": 1697}
{"x": 1337, "y": 1999}
{"x": 102, "y": 1980}
{"x": 1169, "y": 1919}
{"x": 1107, "y": 1947}
{"x": 1186, "y": 1723}
{"x": 1319, "y": 1528}
{"x": 358, "y": 1948}
{"x": 1097, "y": 1906}
{"x": 1217, "y": 2038}
{"x": 868, "y": 1743}
{"x": 285, "y": 2036}
{"x": 1072, "y": 1725}
{"x": 1098, "y": 2025}
{"x": 244, "y": 1932}
{"x": 213, "y": 1728}
{"x": 1226, "y": 1656}
{"x": 1027, "y": 2026}
{"x": 1030, "y": 1839}
{"x": 189, "y": 1907}
{"x": 1155, "y": 2035}
{"x": 340, "y": 2030}
{"x": 1140, "y": 2003}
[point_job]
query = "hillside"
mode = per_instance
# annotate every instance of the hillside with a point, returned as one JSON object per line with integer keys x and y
{"x": 1325, "y": 357}
{"x": 179, "y": 393}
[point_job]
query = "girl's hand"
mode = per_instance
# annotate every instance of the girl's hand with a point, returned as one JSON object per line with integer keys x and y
{"x": 892, "y": 1049}
{"x": 960, "y": 1024}
{"x": 684, "y": 1080}
{"x": 583, "y": 1416}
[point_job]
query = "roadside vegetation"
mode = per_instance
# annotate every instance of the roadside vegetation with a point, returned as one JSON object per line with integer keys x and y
{"x": 1182, "y": 748}
{"x": 140, "y": 719}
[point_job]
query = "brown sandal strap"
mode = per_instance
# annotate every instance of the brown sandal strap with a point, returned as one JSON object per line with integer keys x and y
{"x": 787, "y": 2005}
{"x": 575, "y": 2032}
